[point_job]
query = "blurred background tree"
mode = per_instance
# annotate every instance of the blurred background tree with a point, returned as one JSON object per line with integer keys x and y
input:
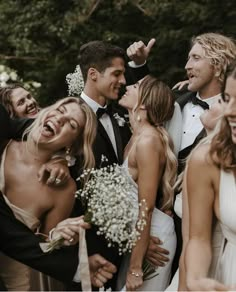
{"x": 41, "y": 39}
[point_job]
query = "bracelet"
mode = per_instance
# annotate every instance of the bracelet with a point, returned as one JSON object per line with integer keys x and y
{"x": 137, "y": 274}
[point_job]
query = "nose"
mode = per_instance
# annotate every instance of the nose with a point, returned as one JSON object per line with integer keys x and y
{"x": 122, "y": 80}
{"x": 60, "y": 118}
{"x": 30, "y": 101}
{"x": 188, "y": 64}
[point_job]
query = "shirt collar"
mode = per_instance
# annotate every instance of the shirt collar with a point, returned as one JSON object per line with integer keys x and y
{"x": 210, "y": 100}
{"x": 93, "y": 104}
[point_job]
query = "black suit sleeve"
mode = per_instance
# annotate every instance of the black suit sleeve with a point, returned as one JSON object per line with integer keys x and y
{"x": 10, "y": 128}
{"x": 133, "y": 75}
{"x": 20, "y": 243}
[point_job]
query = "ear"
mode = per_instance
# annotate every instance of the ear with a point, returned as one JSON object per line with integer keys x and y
{"x": 92, "y": 74}
{"x": 217, "y": 71}
{"x": 142, "y": 107}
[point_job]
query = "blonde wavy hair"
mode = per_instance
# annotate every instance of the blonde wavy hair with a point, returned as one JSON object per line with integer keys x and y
{"x": 219, "y": 49}
{"x": 159, "y": 101}
{"x": 82, "y": 146}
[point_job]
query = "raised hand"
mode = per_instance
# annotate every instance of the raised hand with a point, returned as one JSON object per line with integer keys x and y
{"x": 155, "y": 254}
{"x": 101, "y": 270}
{"x": 139, "y": 52}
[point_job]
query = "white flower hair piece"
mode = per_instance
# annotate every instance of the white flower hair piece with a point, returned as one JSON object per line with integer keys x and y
{"x": 75, "y": 82}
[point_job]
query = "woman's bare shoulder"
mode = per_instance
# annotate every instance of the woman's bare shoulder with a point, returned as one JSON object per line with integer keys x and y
{"x": 149, "y": 140}
{"x": 201, "y": 161}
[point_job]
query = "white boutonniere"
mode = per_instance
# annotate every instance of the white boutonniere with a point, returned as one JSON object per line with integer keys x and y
{"x": 120, "y": 121}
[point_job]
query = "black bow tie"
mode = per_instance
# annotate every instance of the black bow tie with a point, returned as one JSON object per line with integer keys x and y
{"x": 104, "y": 110}
{"x": 197, "y": 101}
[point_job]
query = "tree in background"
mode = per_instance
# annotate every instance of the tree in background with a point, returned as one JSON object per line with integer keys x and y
{"x": 10, "y": 76}
{"x": 41, "y": 39}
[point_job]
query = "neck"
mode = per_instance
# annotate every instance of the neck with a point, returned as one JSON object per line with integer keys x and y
{"x": 91, "y": 91}
{"x": 137, "y": 126}
{"x": 35, "y": 153}
{"x": 210, "y": 90}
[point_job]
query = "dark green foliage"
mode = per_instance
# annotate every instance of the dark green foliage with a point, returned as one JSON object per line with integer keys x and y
{"x": 42, "y": 37}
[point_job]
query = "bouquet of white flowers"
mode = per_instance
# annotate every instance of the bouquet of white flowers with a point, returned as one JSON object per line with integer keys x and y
{"x": 112, "y": 207}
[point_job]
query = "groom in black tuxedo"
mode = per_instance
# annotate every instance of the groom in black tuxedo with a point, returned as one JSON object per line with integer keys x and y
{"x": 20, "y": 243}
{"x": 103, "y": 68}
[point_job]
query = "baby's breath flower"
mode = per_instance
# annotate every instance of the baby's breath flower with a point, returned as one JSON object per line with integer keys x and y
{"x": 75, "y": 82}
{"x": 113, "y": 208}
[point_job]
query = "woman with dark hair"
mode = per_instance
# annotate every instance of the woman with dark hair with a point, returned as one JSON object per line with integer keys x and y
{"x": 213, "y": 196}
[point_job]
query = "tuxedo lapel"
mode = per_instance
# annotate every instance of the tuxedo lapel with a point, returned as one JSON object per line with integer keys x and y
{"x": 183, "y": 99}
{"x": 119, "y": 144}
{"x": 188, "y": 149}
{"x": 105, "y": 136}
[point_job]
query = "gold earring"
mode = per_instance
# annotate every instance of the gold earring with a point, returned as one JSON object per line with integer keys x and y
{"x": 138, "y": 118}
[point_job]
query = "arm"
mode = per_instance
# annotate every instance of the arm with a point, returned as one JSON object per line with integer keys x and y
{"x": 149, "y": 165}
{"x": 138, "y": 53}
{"x": 201, "y": 197}
{"x": 20, "y": 243}
{"x": 11, "y": 128}
{"x": 185, "y": 235}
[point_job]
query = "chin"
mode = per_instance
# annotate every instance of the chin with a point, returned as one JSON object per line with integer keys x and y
{"x": 192, "y": 87}
{"x": 122, "y": 103}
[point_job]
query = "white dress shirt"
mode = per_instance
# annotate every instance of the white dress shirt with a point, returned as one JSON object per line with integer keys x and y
{"x": 174, "y": 128}
{"x": 192, "y": 125}
{"x": 104, "y": 119}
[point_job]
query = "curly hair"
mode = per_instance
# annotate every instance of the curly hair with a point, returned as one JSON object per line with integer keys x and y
{"x": 219, "y": 49}
{"x": 159, "y": 104}
{"x": 222, "y": 150}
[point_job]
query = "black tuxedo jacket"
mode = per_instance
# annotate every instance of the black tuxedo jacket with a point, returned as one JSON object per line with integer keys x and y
{"x": 19, "y": 242}
{"x": 183, "y": 99}
{"x": 103, "y": 146}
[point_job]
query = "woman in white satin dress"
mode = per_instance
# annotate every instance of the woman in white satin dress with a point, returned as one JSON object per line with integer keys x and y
{"x": 213, "y": 194}
{"x": 150, "y": 163}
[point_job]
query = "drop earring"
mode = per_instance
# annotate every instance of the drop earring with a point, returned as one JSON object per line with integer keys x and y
{"x": 68, "y": 156}
{"x": 138, "y": 118}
